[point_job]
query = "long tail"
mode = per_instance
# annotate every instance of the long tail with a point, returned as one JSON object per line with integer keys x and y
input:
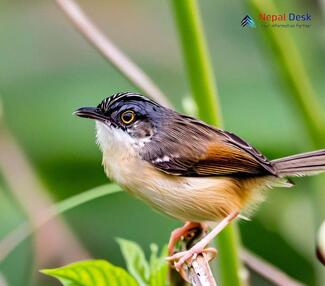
{"x": 309, "y": 163}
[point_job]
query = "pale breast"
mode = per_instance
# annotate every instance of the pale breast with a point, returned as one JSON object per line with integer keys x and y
{"x": 119, "y": 167}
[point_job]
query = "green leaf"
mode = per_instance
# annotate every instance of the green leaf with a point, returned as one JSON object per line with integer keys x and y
{"x": 135, "y": 260}
{"x": 91, "y": 273}
{"x": 158, "y": 266}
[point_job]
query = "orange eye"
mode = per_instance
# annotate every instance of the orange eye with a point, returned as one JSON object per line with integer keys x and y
{"x": 128, "y": 117}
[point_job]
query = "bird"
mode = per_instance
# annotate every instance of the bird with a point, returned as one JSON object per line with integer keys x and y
{"x": 186, "y": 168}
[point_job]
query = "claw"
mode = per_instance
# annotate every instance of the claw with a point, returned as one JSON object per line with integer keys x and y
{"x": 180, "y": 258}
{"x": 191, "y": 254}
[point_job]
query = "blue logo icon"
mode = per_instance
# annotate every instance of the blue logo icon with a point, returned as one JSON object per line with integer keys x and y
{"x": 248, "y": 21}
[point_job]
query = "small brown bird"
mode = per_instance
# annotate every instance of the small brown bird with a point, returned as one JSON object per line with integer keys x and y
{"x": 186, "y": 168}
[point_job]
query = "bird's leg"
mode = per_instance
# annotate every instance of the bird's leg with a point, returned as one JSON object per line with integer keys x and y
{"x": 181, "y": 257}
{"x": 181, "y": 232}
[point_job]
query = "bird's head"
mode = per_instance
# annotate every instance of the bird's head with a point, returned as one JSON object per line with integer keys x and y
{"x": 125, "y": 118}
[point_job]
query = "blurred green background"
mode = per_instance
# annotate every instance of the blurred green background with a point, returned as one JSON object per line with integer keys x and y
{"x": 47, "y": 70}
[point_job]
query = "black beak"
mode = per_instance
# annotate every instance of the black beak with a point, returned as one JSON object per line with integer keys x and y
{"x": 91, "y": 112}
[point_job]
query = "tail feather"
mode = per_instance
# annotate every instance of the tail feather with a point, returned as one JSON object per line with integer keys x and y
{"x": 309, "y": 163}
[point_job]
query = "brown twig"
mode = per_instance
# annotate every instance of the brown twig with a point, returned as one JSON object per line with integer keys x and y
{"x": 110, "y": 52}
{"x": 266, "y": 270}
{"x": 200, "y": 273}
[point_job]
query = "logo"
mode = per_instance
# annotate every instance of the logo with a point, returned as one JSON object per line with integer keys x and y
{"x": 279, "y": 20}
{"x": 285, "y": 20}
{"x": 248, "y": 21}
{"x": 284, "y": 17}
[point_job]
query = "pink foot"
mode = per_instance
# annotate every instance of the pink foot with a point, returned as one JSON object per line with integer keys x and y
{"x": 181, "y": 232}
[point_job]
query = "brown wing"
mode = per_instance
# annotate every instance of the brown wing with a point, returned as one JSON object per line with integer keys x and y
{"x": 188, "y": 147}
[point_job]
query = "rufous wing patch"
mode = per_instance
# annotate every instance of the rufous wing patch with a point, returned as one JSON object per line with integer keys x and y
{"x": 185, "y": 146}
{"x": 222, "y": 158}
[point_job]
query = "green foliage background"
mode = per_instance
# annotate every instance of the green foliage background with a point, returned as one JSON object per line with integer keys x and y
{"x": 47, "y": 70}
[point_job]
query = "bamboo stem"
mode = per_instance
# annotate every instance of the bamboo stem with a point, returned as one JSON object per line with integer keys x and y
{"x": 204, "y": 92}
{"x": 197, "y": 61}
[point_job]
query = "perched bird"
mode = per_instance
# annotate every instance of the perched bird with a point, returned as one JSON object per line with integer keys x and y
{"x": 186, "y": 168}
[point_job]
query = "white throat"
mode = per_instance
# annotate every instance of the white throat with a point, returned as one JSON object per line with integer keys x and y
{"x": 118, "y": 149}
{"x": 110, "y": 138}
